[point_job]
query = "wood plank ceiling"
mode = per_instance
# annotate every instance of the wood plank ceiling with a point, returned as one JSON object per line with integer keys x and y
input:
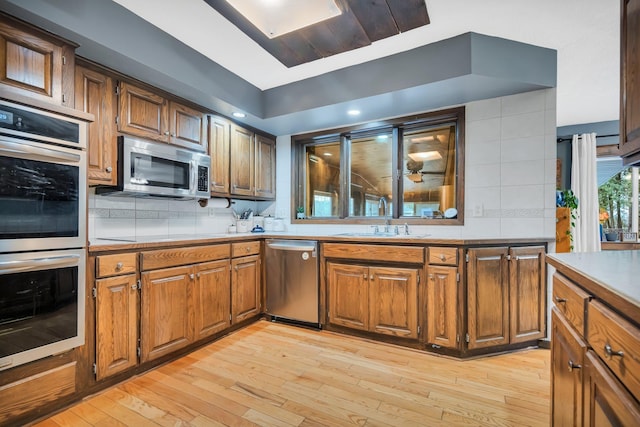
{"x": 361, "y": 23}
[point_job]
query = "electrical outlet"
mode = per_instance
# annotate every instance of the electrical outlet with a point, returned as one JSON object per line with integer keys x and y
{"x": 478, "y": 210}
{"x": 212, "y": 212}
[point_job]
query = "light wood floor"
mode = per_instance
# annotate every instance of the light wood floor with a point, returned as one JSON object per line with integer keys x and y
{"x": 279, "y": 375}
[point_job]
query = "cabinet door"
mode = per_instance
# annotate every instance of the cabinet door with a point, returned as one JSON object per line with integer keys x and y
{"x": 187, "y": 126}
{"x": 442, "y": 307}
{"x": 527, "y": 294}
{"x": 393, "y": 301}
{"x": 143, "y": 113}
{"x": 567, "y": 369}
{"x": 265, "y": 173}
{"x": 488, "y": 297}
{"x": 212, "y": 299}
{"x": 219, "y": 142}
{"x": 116, "y": 324}
{"x": 165, "y": 324}
{"x": 242, "y": 161}
{"x": 31, "y": 65}
{"x": 245, "y": 288}
{"x": 607, "y": 402}
{"x": 94, "y": 94}
{"x": 348, "y": 295}
{"x": 630, "y": 84}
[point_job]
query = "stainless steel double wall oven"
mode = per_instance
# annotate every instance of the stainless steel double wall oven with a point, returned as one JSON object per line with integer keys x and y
{"x": 43, "y": 210}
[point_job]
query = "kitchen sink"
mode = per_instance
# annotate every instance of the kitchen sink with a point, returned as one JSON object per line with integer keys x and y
{"x": 364, "y": 234}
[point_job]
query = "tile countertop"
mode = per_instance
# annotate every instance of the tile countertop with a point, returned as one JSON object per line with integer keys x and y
{"x": 105, "y": 244}
{"x": 609, "y": 275}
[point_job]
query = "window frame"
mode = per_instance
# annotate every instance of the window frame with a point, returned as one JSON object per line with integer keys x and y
{"x": 397, "y": 125}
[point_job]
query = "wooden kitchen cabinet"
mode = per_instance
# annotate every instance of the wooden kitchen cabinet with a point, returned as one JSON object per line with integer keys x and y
{"x": 487, "y": 297}
{"x": 95, "y": 94}
{"x": 506, "y": 296}
{"x": 443, "y": 309}
{"x": 629, "y": 82}
{"x": 527, "y": 294}
{"x": 211, "y": 298}
{"x": 147, "y": 114}
{"x": 242, "y": 167}
{"x": 265, "y": 167}
{"x": 35, "y": 64}
{"x": 116, "y": 324}
{"x": 165, "y": 322}
{"x": 377, "y": 299}
{"x": 219, "y": 150}
{"x": 116, "y": 313}
{"x": 252, "y": 164}
{"x": 568, "y": 350}
{"x": 348, "y": 295}
{"x": 245, "y": 288}
{"x": 183, "y": 296}
{"x": 607, "y": 401}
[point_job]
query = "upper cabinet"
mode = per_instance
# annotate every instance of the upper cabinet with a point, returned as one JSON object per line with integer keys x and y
{"x": 630, "y": 81}
{"x": 219, "y": 143}
{"x": 252, "y": 162}
{"x": 95, "y": 94}
{"x": 150, "y": 115}
{"x": 35, "y": 64}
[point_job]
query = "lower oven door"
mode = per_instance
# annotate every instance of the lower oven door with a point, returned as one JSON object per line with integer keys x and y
{"x": 43, "y": 198}
{"x": 41, "y": 304}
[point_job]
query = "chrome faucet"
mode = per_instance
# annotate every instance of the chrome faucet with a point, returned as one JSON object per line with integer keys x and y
{"x": 387, "y": 220}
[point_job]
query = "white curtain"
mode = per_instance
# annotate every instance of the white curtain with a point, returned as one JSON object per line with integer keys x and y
{"x": 586, "y": 233}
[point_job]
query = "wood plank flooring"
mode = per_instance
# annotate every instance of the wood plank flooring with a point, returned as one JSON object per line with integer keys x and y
{"x": 278, "y": 375}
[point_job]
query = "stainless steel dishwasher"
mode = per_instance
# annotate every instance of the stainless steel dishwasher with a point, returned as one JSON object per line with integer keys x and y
{"x": 292, "y": 280}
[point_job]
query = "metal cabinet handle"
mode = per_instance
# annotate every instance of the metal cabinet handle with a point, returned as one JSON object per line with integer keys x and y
{"x": 573, "y": 366}
{"x": 247, "y": 249}
{"x": 109, "y": 169}
{"x": 134, "y": 286}
{"x": 198, "y": 275}
{"x": 442, "y": 257}
{"x": 119, "y": 266}
{"x": 560, "y": 300}
{"x": 166, "y": 132}
{"x": 364, "y": 276}
{"x": 609, "y": 352}
{"x": 192, "y": 276}
{"x": 173, "y": 135}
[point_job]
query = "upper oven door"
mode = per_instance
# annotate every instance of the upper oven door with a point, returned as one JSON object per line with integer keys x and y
{"x": 42, "y": 197}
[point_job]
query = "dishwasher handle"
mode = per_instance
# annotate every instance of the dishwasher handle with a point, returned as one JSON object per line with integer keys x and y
{"x": 294, "y": 246}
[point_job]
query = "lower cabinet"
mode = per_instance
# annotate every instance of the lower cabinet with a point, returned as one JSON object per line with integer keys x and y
{"x": 607, "y": 401}
{"x": 245, "y": 288}
{"x": 506, "y": 296}
{"x": 383, "y": 300}
{"x": 116, "y": 324}
{"x": 443, "y": 307}
{"x": 165, "y": 323}
{"x": 211, "y": 298}
{"x": 567, "y": 372}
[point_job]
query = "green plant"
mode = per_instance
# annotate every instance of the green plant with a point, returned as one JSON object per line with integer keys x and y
{"x": 569, "y": 200}
{"x": 300, "y": 209}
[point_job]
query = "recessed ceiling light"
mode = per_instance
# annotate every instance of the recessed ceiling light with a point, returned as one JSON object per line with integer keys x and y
{"x": 277, "y": 17}
{"x": 353, "y": 112}
{"x": 238, "y": 114}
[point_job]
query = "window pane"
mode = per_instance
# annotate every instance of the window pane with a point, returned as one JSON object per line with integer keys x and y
{"x": 429, "y": 171}
{"x": 322, "y": 193}
{"x": 371, "y": 172}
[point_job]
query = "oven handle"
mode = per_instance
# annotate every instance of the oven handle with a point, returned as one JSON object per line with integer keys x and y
{"x": 10, "y": 267}
{"x": 15, "y": 148}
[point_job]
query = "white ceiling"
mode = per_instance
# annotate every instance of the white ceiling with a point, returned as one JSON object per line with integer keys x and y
{"x": 585, "y": 34}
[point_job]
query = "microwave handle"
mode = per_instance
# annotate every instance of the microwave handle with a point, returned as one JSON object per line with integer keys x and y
{"x": 7, "y": 147}
{"x": 10, "y": 267}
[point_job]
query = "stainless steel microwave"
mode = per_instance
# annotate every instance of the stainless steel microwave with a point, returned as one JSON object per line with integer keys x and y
{"x": 152, "y": 169}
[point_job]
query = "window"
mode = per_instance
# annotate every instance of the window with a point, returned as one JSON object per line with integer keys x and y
{"x": 409, "y": 169}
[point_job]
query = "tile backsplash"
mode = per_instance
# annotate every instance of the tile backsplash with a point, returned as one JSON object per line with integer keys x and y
{"x": 115, "y": 216}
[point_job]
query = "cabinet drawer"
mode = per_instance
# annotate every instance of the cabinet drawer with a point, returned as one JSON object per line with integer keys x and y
{"x": 617, "y": 342}
{"x": 402, "y": 254}
{"x": 443, "y": 255}
{"x": 115, "y": 265}
{"x": 571, "y": 301}
{"x": 163, "y": 258}
{"x": 245, "y": 248}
